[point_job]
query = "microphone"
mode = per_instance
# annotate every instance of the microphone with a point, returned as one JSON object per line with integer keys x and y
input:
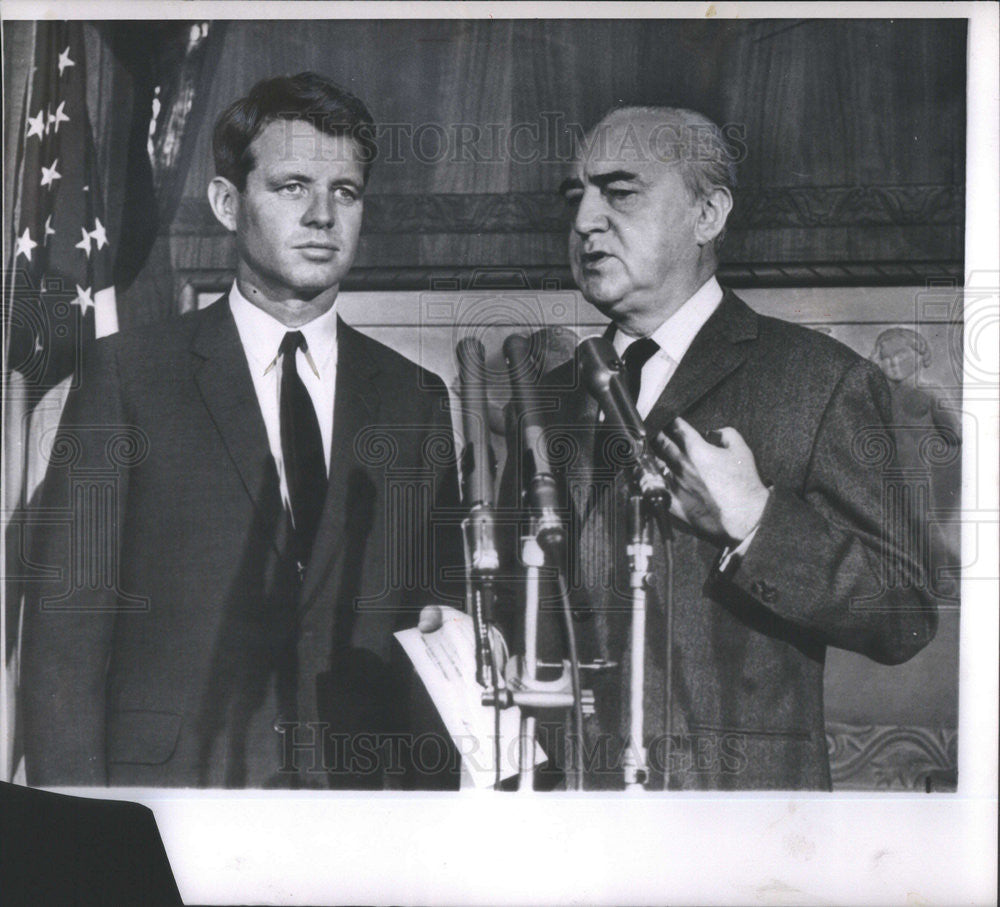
{"x": 601, "y": 371}
{"x": 541, "y": 489}
{"x": 477, "y": 480}
{"x": 477, "y": 458}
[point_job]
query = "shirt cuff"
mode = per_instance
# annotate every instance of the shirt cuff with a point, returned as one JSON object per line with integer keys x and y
{"x": 729, "y": 553}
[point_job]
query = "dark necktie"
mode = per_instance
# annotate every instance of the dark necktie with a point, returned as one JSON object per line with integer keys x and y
{"x": 301, "y": 448}
{"x": 634, "y": 358}
{"x": 637, "y": 354}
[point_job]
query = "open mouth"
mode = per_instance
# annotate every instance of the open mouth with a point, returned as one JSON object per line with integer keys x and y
{"x": 593, "y": 259}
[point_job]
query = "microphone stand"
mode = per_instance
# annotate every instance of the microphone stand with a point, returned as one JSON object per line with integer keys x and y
{"x": 533, "y": 558}
{"x": 544, "y": 544}
{"x": 482, "y": 565}
{"x": 482, "y": 562}
{"x": 648, "y": 503}
{"x": 639, "y": 550}
{"x": 523, "y": 687}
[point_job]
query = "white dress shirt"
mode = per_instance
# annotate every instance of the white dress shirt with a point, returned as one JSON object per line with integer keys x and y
{"x": 261, "y": 335}
{"x": 674, "y": 337}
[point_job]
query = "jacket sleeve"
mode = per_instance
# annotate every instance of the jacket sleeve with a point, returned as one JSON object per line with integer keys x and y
{"x": 70, "y": 611}
{"x": 841, "y": 557}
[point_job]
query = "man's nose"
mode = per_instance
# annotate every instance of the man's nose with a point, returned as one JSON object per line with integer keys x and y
{"x": 321, "y": 210}
{"x": 590, "y": 215}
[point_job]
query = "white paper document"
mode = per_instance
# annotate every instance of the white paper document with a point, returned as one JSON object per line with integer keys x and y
{"x": 445, "y": 661}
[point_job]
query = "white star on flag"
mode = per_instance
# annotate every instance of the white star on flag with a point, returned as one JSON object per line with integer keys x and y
{"x": 64, "y": 60}
{"x": 58, "y": 117}
{"x": 99, "y": 235}
{"x": 36, "y": 125}
{"x": 85, "y": 242}
{"x": 60, "y": 218}
{"x": 50, "y": 174}
{"x": 25, "y": 244}
{"x": 83, "y": 299}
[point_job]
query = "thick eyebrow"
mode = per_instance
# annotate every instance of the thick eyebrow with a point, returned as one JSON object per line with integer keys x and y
{"x": 601, "y": 180}
{"x": 568, "y": 184}
{"x": 614, "y": 176}
{"x": 282, "y": 177}
{"x": 353, "y": 184}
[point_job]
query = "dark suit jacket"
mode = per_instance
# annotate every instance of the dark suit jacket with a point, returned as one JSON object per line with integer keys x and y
{"x": 172, "y": 643}
{"x": 832, "y": 562}
{"x": 56, "y": 849}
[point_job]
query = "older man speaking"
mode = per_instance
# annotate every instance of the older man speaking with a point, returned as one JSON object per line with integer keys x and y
{"x": 784, "y": 541}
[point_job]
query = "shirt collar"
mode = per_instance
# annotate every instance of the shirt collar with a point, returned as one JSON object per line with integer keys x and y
{"x": 261, "y": 334}
{"x": 677, "y": 333}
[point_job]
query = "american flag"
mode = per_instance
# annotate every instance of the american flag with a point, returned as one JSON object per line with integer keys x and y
{"x": 60, "y": 290}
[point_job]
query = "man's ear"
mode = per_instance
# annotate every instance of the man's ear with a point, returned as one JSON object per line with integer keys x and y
{"x": 715, "y": 208}
{"x": 224, "y": 198}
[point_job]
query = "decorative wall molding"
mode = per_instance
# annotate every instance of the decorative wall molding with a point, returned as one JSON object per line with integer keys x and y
{"x": 774, "y": 207}
{"x": 943, "y": 274}
{"x": 892, "y": 758}
{"x": 847, "y": 206}
{"x": 906, "y": 235}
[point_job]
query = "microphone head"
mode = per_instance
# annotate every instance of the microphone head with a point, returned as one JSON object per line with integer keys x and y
{"x": 476, "y": 462}
{"x": 517, "y": 353}
{"x": 521, "y": 362}
{"x": 598, "y": 364}
{"x": 471, "y": 360}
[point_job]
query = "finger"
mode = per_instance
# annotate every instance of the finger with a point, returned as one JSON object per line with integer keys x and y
{"x": 676, "y": 507}
{"x": 431, "y": 619}
{"x": 688, "y": 439}
{"x": 731, "y": 439}
{"x": 668, "y": 476}
{"x": 671, "y": 454}
{"x": 662, "y": 466}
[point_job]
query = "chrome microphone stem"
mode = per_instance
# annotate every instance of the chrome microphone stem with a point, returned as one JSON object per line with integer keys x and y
{"x": 483, "y": 564}
{"x": 640, "y": 550}
{"x": 533, "y": 558}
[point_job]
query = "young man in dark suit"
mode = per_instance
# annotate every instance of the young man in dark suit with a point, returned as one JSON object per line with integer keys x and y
{"x": 777, "y": 453}
{"x": 260, "y": 496}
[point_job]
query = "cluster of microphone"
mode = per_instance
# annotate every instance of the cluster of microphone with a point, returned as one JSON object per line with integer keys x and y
{"x": 601, "y": 372}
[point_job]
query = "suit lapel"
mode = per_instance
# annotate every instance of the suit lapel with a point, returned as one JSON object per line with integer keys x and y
{"x": 226, "y": 386}
{"x": 718, "y": 349}
{"x": 357, "y": 402}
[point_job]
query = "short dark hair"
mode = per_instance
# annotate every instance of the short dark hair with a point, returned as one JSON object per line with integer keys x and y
{"x": 306, "y": 96}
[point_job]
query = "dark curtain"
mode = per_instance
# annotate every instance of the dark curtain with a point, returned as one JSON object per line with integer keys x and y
{"x": 166, "y": 67}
